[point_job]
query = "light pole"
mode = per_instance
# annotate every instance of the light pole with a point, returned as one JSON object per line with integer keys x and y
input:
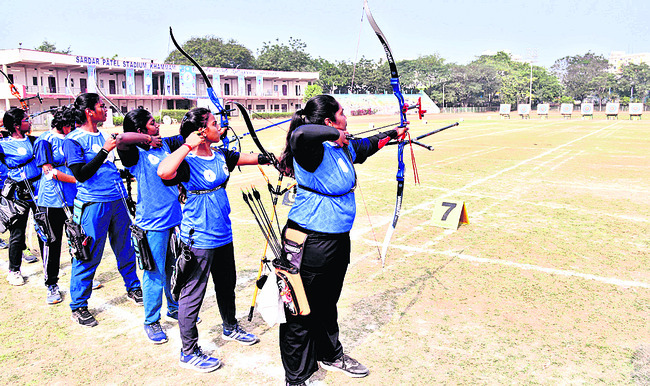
{"x": 532, "y": 55}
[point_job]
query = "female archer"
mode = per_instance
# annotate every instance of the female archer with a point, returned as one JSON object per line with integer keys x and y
{"x": 321, "y": 157}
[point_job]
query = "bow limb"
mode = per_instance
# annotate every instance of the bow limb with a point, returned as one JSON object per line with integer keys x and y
{"x": 213, "y": 96}
{"x": 394, "y": 81}
{"x": 253, "y": 134}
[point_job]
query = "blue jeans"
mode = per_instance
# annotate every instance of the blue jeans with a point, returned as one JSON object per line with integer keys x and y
{"x": 99, "y": 220}
{"x": 154, "y": 282}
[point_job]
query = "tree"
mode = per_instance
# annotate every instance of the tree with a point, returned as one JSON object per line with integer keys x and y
{"x": 51, "y": 47}
{"x": 634, "y": 81}
{"x": 582, "y": 75}
{"x": 281, "y": 57}
{"x": 425, "y": 73}
{"x": 311, "y": 91}
{"x": 210, "y": 51}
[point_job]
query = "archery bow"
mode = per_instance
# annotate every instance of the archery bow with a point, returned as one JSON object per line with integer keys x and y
{"x": 213, "y": 96}
{"x": 403, "y": 108}
{"x": 252, "y": 132}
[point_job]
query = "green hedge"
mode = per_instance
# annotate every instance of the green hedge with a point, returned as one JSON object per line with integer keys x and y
{"x": 118, "y": 120}
{"x": 174, "y": 114}
{"x": 271, "y": 115}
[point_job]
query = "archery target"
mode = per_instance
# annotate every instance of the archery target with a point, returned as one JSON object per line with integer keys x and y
{"x": 542, "y": 108}
{"x": 587, "y": 108}
{"x": 636, "y": 108}
{"x": 523, "y": 109}
{"x": 566, "y": 108}
{"x": 612, "y": 108}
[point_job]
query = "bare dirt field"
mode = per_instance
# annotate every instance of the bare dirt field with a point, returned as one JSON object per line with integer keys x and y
{"x": 549, "y": 283}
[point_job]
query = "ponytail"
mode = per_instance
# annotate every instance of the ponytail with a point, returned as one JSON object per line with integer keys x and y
{"x": 316, "y": 110}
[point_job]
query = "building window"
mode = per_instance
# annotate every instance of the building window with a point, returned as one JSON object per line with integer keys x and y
{"x": 298, "y": 106}
{"x": 260, "y": 107}
{"x": 11, "y": 77}
{"x": 101, "y": 83}
{"x": 226, "y": 89}
{"x": 35, "y": 81}
{"x": 298, "y": 90}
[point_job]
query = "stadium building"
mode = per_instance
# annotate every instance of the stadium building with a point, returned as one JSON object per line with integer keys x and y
{"x": 134, "y": 82}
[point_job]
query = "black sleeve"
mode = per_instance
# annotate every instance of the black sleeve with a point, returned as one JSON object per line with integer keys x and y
{"x": 182, "y": 175}
{"x": 232, "y": 157}
{"x": 130, "y": 156}
{"x": 83, "y": 171}
{"x": 174, "y": 142}
{"x": 365, "y": 147}
{"x": 307, "y": 144}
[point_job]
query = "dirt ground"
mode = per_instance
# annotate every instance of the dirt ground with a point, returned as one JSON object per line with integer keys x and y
{"x": 547, "y": 284}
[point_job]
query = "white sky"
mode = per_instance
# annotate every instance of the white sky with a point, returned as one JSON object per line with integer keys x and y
{"x": 456, "y": 30}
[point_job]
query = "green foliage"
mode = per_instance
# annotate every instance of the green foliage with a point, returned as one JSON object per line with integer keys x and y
{"x": 174, "y": 114}
{"x": 272, "y": 115}
{"x": 566, "y": 99}
{"x": 582, "y": 75}
{"x": 281, "y": 57}
{"x": 51, "y": 47}
{"x": 311, "y": 91}
{"x": 211, "y": 51}
{"x": 118, "y": 120}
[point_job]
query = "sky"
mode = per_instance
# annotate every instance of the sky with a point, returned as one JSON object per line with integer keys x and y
{"x": 458, "y": 31}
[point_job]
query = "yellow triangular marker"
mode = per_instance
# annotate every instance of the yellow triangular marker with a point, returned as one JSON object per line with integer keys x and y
{"x": 449, "y": 214}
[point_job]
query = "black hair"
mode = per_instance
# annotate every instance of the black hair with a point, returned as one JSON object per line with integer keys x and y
{"x": 136, "y": 120}
{"x": 316, "y": 110}
{"x": 13, "y": 119}
{"x": 83, "y": 102}
{"x": 63, "y": 116}
{"x": 193, "y": 120}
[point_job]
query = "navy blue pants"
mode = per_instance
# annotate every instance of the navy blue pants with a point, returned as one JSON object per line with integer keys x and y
{"x": 220, "y": 262}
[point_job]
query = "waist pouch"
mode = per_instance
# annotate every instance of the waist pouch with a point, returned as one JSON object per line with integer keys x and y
{"x": 43, "y": 228}
{"x": 287, "y": 272}
{"x": 184, "y": 265}
{"x": 78, "y": 241}
{"x": 10, "y": 211}
{"x": 142, "y": 248}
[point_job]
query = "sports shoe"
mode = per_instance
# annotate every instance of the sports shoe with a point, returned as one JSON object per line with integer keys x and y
{"x": 82, "y": 316}
{"x": 174, "y": 315}
{"x": 238, "y": 334}
{"x": 53, "y": 294}
{"x": 97, "y": 284}
{"x": 155, "y": 333}
{"x": 136, "y": 296}
{"x": 29, "y": 258}
{"x": 347, "y": 365}
{"x": 199, "y": 361}
{"x": 15, "y": 278}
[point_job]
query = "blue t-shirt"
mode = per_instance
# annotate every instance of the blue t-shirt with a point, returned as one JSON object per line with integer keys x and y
{"x": 208, "y": 213}
{"x": 16, "y": 152}
{"x": 49, "y": 150}
{"x": 158, "y": 207}
{"x": 81, "y": 146}
{"x": 335, "y": 175}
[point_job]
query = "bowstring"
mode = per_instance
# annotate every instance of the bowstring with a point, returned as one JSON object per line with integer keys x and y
{"x": 356, "y": 54}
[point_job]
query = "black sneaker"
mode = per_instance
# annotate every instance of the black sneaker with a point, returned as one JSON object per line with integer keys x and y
{"x": 82, "y": 316}
{"x": 136, "y": 296}
{"x": 347, "y": 365}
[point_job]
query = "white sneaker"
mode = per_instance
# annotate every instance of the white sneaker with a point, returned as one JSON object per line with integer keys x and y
{"x": 15, "y": 278}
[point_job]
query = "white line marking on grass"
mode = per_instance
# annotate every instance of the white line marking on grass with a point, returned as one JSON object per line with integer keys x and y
{"x": 552, "y": 271}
